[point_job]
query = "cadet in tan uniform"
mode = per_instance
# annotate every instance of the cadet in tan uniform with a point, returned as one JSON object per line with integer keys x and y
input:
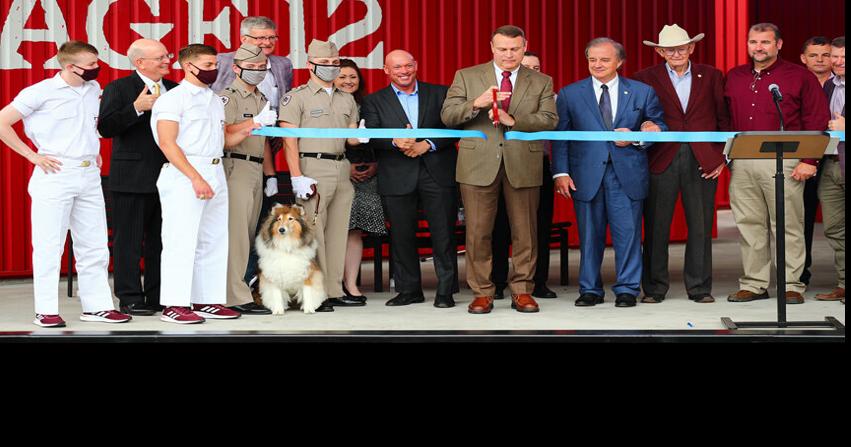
{"x": 245, "y": 165}
{"x": 322, "y": 162}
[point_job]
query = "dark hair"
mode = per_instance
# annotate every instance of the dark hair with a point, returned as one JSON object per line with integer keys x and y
{"x": 763, "y": 27}
{"x": 358, "y": 94}
{"x": 509, "y": 31}
{"x": 532, "y": 54}
{"x": 839, "y": 42}
{"x": 72, "y": 48}
{"x": 817, "y": 41}
{"x": 194, "y": 50}
{"x": 619, "y": 49}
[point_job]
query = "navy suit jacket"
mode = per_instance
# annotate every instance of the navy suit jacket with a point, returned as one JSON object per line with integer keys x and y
{"x": 585, "y": 161}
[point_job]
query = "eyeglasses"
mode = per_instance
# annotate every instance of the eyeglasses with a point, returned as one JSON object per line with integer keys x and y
{"x": 167, "y": 57}
{"x": 670, "y": 51}
{"x": 270, "y": 39}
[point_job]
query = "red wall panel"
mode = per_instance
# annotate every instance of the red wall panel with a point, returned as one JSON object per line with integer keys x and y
{"x": 444, "y": 35}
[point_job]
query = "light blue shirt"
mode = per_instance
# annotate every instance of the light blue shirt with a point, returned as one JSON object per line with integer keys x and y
{"x": 682, "y": 84}
{"x": 411, "y": 105}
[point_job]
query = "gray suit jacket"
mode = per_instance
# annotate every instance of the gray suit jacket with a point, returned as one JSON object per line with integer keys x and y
{"x": 282, "y": 70}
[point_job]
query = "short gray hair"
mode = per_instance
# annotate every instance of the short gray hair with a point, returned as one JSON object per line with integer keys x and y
{"x": 259, "y": 22}
{"x": 621, "y": 52}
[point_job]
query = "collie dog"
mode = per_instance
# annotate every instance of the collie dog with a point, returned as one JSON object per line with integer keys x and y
{"x": 289, "y": 272}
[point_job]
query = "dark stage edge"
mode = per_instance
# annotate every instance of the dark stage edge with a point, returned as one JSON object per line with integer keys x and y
{"x": 443, "y": 336}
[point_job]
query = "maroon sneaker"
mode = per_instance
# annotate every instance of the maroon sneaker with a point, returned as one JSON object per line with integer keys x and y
{"x": 106, "y": 316}
{"x": 215, "y": 311}
{"x": 49, "y": 320}
{"x": 180, "y": 315}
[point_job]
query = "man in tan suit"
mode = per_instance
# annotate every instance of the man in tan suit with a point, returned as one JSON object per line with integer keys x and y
{"x": 485, "y": 169}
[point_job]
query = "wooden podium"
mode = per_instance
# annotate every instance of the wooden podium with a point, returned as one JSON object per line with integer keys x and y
{"x": 781, "y": 146}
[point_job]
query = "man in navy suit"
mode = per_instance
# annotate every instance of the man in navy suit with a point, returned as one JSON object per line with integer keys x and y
{"x": 607, "y": 180}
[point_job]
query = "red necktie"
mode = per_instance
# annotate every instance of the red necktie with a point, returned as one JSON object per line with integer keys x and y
{"x": 505, "y": 86}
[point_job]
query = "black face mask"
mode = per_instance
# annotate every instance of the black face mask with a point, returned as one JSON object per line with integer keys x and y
{"x": 206, "y": 76}
{"x": 89, "y": 74}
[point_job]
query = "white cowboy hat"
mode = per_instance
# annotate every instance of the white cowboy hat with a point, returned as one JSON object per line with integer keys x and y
{"x": 674, "y": 36}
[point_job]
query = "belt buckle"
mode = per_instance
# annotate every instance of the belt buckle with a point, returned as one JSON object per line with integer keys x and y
{"x": 216, "y": 161}
{"x": 319, "y": 156}
{"x": 85, "y": 164}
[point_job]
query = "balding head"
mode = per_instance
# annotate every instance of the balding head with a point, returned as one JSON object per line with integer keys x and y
{"x": 402, "y": 69}
{"x": 150, "y": 57}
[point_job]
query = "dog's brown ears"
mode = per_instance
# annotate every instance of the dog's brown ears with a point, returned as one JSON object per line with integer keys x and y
{"x": 277, "y": 205}
{"x": 299, "y": 208}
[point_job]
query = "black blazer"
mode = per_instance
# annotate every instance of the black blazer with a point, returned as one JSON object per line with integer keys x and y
{"x": 136, "y": 159}
{"x": 397, "y": 173}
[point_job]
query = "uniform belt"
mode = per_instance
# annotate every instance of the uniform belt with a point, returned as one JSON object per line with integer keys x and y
{"x": 75, "y": 162}
{"x": 203, "y": 160}
{"x": 833, "y": 157}
{"x": 244, "y": 157}
{"x": 322, "y": 155}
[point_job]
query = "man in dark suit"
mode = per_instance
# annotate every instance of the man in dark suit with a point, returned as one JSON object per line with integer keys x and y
{"x": 125, "y": 115}
{"x": 608, "y": 180}
{"x": 692, "y": 96}
{"x": 410, "y": 171}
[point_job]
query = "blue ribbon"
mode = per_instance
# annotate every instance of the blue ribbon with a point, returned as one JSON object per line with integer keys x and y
{"x": 649, "y": 137}
{"x": 367, "y": 133}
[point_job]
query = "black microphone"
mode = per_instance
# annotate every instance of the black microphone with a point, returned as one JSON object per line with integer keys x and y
{"x": 775, "y": 92}
{"x": 778, "y": 97}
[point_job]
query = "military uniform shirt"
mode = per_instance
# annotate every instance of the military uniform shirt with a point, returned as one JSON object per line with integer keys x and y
{"x": 310, "y": 106}
{"x": 200, "y": 115}
{"x": 240, "y": 105}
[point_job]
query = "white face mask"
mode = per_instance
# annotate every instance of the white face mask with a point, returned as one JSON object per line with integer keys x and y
{"x": 326, "y": 73}
{"x": 252, "y": 77}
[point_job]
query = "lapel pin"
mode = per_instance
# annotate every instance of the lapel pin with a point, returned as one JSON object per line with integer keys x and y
{"x": 625, "y": 93}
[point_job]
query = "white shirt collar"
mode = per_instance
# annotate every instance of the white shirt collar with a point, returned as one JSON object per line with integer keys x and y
{"x": 613, "y": 84}
{"x": 839, "y": 81}
{"x": 147, "y": 80}
{"x": 60, "y": 83}
{"x": 193, "y": 89}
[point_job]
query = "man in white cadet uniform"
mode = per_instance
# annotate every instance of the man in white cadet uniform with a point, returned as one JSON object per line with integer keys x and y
{"x": 60, "y": 118}
{"x": 188, "y": 124}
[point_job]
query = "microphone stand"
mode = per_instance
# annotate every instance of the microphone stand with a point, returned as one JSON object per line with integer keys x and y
{"x": 780, "y": 220}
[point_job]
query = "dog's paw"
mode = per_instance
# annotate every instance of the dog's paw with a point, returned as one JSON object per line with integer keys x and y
{"x": 276, "y": 310}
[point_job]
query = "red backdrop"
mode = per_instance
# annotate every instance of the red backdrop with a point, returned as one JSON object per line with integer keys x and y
{"x": 444, "y": 35}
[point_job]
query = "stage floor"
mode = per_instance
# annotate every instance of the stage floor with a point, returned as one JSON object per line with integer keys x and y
{"x": 676, "y": 318}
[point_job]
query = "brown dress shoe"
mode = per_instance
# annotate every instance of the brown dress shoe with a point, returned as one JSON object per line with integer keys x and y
{"x": 481, "y": 305}
{"x": 838, "y": 294}
{"x": 524, "y": 303}
{"x": 794, "y": 297}
{"x": 743, "y": 296}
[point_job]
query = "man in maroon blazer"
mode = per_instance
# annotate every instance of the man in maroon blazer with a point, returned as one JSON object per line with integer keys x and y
{"x": 692, "y": 96}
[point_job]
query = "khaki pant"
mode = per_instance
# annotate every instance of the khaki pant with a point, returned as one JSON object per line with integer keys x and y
{"x": 480, "y": 206}
{"x": 752, "y": 200}
{"x": 336, "y": 194}
{"x": 245, "y": 196}
{"x": 831, "y": 193}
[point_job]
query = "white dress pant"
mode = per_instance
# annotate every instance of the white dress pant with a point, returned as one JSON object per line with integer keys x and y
{"x": 194, "y": 235}
{"x": 71, "y": 198}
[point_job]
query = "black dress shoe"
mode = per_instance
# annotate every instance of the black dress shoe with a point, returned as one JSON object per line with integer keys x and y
{"x": 499, "y": 294}
{"x": 589, "y": 300}
{"x": 542, "y": 291}
{"x": 344, "y": 301}
{"x": 650, "y": 298}
{"x": 251, "y": 309}
{"x": 361, "y": 298}
{"x": 625, "y": 300}
{"x": 156, "y": 307}
{"x": 403, "y": 299}
{"x": 137, "y": 309}
{"x": 325, "y": 307}
{"x": 444, "y": 301}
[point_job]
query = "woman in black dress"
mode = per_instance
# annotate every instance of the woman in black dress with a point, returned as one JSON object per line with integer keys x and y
{"x": 367, "y": 212}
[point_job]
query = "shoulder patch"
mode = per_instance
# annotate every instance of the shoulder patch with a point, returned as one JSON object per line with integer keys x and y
{"x": 225, "y": 99}
{"x": 286, "y": 100}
